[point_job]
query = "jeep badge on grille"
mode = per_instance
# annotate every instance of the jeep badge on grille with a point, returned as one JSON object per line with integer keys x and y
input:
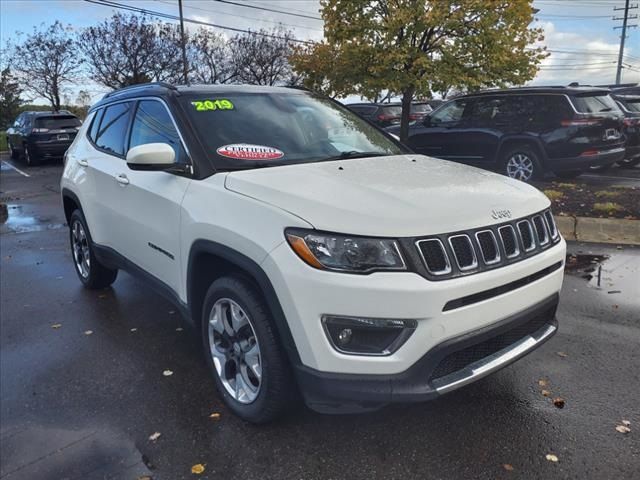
{"x": 498, "y": 214}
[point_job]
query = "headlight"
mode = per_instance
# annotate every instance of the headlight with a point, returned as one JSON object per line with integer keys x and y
{"x": 345, "y": 253}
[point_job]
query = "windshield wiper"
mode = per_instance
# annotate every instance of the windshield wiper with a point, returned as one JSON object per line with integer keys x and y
{"x": 355, "y": 154}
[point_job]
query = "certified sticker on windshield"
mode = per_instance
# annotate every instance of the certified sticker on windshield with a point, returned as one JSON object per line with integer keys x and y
{"x": 245, "y": 151}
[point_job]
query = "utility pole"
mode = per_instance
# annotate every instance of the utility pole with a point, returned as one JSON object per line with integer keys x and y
{"x": 624, "y": 34}
{"x": 185, "y": 67}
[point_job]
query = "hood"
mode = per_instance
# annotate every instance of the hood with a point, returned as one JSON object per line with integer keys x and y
{"x": 395, "y": 196}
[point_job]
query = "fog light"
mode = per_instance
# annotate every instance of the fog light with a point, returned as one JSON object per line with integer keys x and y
{"x": 367, "y": 336}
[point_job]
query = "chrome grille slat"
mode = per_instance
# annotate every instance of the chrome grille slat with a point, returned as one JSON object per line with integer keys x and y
{"x": 450, "y": 255}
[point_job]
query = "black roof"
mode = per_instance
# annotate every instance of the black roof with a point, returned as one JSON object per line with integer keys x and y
{"x": 164, "y": 89}
{"x": 562, "y": 89}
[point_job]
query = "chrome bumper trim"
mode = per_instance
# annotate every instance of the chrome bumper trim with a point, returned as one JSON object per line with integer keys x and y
{"x": 487, "y": 365}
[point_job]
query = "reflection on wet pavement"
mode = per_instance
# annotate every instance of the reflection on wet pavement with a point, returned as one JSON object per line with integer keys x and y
{"x": 18, "y": 222}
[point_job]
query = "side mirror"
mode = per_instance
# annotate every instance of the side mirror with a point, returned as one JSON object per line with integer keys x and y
{"x": 151, "y": 156}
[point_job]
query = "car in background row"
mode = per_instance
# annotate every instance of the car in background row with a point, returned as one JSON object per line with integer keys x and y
{"x": 387, "y": 114}
{"x": 35, "y": 136}
{"x": 525, "y": 132}
{"x": 628, "y": 100}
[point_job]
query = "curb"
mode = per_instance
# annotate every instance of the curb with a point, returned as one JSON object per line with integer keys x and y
{"x": 600, "y": 230}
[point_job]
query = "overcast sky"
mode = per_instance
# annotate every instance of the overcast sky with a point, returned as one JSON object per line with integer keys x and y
{"x": 579, "y": 33}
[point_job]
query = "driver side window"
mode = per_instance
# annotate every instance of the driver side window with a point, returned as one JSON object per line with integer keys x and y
{"x": 152, "y": 124}
{"x": 450, "y": 113}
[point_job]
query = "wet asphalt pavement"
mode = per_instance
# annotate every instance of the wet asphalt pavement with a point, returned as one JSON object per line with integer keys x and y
{"x": 80, "y": 405}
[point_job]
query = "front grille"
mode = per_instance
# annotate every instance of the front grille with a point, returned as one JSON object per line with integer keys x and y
{"x": 526, "y": 235}
{"x": 541, "y": 230}
{"x": 434, "y": 256}
{"x": 462, "y": 358}
{"x": 509, "y": 241}
{"x": 463, "y": 253}
{"x": 488, "y": 247}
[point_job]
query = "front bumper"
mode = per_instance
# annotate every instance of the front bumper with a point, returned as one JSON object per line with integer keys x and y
{"x": 604, "y": 157}
{"x": 448, "y": 366}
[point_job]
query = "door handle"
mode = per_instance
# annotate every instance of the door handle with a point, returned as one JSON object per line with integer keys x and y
{"x": 82, "y": 162}
{"x": 122, "y": 179}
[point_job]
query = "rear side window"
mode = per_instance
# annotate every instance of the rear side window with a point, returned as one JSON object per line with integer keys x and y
{"x": 152, "y": 124}
{"x": 594, "y": 103}
{"x": 113, "y": 128}
{"x": 362, "y": 110}
{"x": 421, "y": 108}
{"x": 57, "y": 122}
{"x": 93, "y": 132}
{"x": 391, "y": 111}
{"x": 630, "y": 104}
{"x": 450, "y": 112}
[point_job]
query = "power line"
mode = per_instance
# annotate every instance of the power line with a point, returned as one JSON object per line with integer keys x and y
{"x": 144, "y": 11}
{"x": 268, "y": 9}
{"x": 624, "y": 34}
{"x": 276, "y": 22}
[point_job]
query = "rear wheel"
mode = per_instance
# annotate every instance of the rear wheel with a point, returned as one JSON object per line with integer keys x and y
{"x": 15, "y": 154}
{"x": 569, "y": 174}
{"x": 29, "y": 157}
{"x": 521, "y": 163}
{"x": 250, "y": 369}
{"x": 93, "y": 274}
{"x": 629, "y": 162}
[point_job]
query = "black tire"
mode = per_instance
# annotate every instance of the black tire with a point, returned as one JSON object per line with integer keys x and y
{"x": 629, "y": 162}
{"x": 30, "y": 158}
{"x": 531, "y": 168}
{"x": 569, "y": 174}
{"x": 277, "y": 389}
{"x": 96, "y": 275}
{"x": 15, "y": 154}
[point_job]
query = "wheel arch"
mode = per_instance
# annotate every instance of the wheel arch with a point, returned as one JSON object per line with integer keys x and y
{"x": 210, "y": 260}
{"x": 70, "y": 202}
{"x": 518, "y": 140}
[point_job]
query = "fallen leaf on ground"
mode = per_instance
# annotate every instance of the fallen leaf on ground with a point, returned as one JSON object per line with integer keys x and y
{"x": 171, "y": 312}
{"x": 144, "y": 477}
{"x": 55, "y": 326}
{"x": 215, "y": 416}
{"x": 551, "y": 457}
{"x": 179, "y": 329}
{"x": 154, "y": 436}
{"x": 558, "y": 402}
{"x": 134, "y": 330}
{"x": 542, "y": 383}
{"x": 626, "y": 422}
{"x": 167, "y": 373}
{"x": 545, "y": 393}
{"x": 88, "y": 332}
{"x": 197, "y": 469}
{"x": 508, "y": 467}
{"x": 562, "y": 354}
{"x": 623, "y": 429}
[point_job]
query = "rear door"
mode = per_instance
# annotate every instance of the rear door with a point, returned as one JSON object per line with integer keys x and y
{"x": 443, "y": 132}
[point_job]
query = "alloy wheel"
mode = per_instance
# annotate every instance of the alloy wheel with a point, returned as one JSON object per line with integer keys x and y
{"x": 80, "y": 247}
{"x": 235, "y": 350}
{"x": 520, "y": 166}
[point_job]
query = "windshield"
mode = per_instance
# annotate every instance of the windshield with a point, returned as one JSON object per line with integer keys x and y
{"x": 249, "y": 130}
{"x": 57, "y": 122}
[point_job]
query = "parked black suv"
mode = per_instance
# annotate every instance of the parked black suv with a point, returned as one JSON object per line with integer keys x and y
{"x": 39, "y": 135}
{"x": 629, "y": 102}
{"x": 523, "y": 132}
{"x": 380, "y": 114}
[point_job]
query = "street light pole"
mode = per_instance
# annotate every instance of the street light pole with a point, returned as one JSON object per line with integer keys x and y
{"x": 623, "y": 36}
{"x": 185, "y": 67}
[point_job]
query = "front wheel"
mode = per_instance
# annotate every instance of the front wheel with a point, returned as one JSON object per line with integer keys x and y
{"x": 521, "y": 163}
{"x": 15, "y": 154}
{"x": 250, "y": 369}
{"x": 93, "y": 274}
{"x": 29, "y": 157}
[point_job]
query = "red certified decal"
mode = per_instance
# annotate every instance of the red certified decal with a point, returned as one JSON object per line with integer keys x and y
{"x": 244, "y": 151}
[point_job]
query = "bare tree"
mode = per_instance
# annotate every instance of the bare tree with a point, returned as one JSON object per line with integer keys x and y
{"x": 262, "y": 58}
{"x": 129, "y": 49}
{"x": 10, "y": 100}
{"x": 210, "y": 58}
{"x": 45, "y": 62}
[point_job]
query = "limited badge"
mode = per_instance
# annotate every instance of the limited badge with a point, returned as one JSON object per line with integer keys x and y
{"x": 245, "y": 151}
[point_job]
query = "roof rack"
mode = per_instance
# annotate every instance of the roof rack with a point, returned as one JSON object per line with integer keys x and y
{"x": 140, "y": 85}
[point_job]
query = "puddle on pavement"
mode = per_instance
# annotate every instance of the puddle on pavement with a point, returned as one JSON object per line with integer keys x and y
{"x": 585, "y": 265}
{"x": 17, "y": 222}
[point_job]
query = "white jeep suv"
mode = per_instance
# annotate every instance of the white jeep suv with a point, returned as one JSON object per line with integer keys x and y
{"x": 312, "y": 251}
